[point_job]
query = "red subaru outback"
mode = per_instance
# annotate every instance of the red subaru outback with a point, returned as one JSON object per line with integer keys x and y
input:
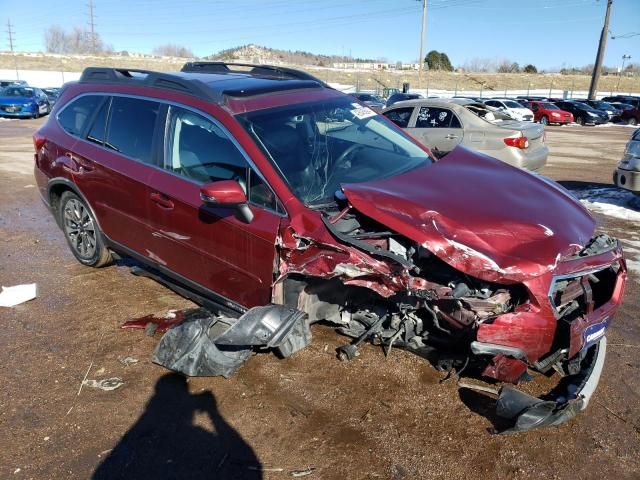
{"x": 253, "y": 187}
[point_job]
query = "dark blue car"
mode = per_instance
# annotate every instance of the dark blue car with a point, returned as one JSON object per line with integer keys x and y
{"x": 23, "y": 102}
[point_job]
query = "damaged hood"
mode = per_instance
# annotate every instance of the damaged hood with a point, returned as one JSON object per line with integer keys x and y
{"x": 480, "y": 215}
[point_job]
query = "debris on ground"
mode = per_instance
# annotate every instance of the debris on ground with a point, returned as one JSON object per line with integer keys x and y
{"x": 201, "y": 343}
{"x": 302, "y": 473}
{"x": 106, "y": 384}
{"x": 152, "y": 324}
{"x": 12, "y": 296}
{"x": 128, "y": 361}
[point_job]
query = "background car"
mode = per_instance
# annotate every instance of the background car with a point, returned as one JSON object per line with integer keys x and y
{"x": 511, "y": 108}
{"x": 6, "y": 83}
{"x": 24, "y": 102}
{"x": 52, "y": 94}
{"x": 547, "y": 113}
{"x": 400, "y": 97}
{"x": 628, "y": 113}
{"x": 475, "y": 99}
{"x": 371, "y": 100}
{"x": 627, "y": 174}
{"x": 582, "y": 113}
{"x": 443, "y": 124}
{"x": 630, "y": 116}
{"x": 613, "y": 112}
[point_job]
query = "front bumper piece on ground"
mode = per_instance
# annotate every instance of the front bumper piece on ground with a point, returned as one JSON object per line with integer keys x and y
{"x": 205, "y": 344}
{"x": 568, "y": 399}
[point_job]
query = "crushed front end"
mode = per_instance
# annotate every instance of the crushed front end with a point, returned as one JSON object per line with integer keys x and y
{"x": 457, "y": 307}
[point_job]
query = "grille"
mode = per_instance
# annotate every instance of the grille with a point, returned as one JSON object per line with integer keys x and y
{"x": 578, "y": 295}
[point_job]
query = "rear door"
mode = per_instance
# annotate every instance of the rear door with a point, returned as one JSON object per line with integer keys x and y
{"x": 112, "y": 162}
{"x": 437, "y": 128}
{"x": 209, "y": 245}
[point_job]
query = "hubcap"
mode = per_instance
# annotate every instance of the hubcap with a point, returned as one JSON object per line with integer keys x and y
{"x": 78, "y": 226}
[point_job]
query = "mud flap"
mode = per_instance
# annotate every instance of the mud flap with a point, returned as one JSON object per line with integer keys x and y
{"x": 211, "y": 345}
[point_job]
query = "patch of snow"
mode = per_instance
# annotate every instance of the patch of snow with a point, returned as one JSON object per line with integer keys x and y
{"x": 631, "y": 250}
{"x": 610, "y": 201}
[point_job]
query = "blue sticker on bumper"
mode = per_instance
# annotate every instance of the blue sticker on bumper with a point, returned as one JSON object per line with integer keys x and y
{"x": 594, "y": 332}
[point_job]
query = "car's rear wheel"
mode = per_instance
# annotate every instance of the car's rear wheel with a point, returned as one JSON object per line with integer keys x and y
{"x": 544, "y": 120}
{"x": 82, "y": 232}
{"x": 579, "y": 120}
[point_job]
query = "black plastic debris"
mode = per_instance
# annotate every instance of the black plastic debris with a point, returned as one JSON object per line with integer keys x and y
{"x": 212, "y": 345}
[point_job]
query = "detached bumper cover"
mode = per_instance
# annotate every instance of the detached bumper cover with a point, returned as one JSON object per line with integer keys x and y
{"x": 573, "y": 396}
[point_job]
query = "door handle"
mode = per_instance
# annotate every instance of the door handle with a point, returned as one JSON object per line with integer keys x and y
{"x": 451, "y": 136}
{"x": 162, "y": 200}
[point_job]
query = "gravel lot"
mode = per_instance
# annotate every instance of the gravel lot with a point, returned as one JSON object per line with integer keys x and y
{"x": 370, "y": 418}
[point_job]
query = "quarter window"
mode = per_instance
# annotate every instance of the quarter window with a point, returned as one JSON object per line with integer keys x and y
{"x": 75, "y": 116}
{"x": 131, "y": 126}
{"x": 400, "y": 116}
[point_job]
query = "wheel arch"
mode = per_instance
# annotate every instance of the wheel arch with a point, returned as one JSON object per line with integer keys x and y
{"x": 56, "y": 188}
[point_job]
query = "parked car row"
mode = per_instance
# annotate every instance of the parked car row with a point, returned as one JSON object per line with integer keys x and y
{"x": 19, "y": 100}
{"x": 545, "y": 110}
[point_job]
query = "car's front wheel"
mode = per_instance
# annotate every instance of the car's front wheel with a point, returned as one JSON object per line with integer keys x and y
{"x": 544, "y": 120}
{"x": 82, "y": 232}
{"x": 632, "y": 121}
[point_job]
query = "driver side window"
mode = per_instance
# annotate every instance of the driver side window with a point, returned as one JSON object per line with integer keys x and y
{"x": 198, "y": 149}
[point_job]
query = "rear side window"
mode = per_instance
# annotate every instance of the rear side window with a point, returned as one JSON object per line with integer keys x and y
{"x": 434, "y": 117}
{"x": 131, "y": 125}
{"x": 400, "y": 116}
{"x": 76, "y": 115}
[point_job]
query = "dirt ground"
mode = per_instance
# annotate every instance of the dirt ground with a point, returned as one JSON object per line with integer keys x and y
{"x": 369, "y": 418}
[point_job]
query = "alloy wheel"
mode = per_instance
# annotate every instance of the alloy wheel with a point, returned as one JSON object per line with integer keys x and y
{"x": 79, "y": 228}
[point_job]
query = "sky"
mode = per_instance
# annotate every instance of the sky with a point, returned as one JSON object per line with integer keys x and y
{"x": 547, "y": 33}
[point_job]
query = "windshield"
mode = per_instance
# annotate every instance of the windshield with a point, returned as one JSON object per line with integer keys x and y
{"x": 318, "y": 146}
{"x": 601, "y": 105}
{"x": 18, "y": 92}
{"x": 549, "y": 106}
{"x": 367, "y": 97}
{"x": 511, "y": 104}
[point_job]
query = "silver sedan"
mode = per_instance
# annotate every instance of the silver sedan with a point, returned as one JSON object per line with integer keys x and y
{"x": 442, "y": 124}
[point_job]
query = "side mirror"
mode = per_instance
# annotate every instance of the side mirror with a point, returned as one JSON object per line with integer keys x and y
{"x": 227, "y": 193}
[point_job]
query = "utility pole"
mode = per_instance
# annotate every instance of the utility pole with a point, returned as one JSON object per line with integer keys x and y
{"x": 10, "y": 34}
{"x": 92, "y": 27}
{"x": 421, "y": 59}
{"x": 597, "y": 68}
{"x": 625, "y": 57}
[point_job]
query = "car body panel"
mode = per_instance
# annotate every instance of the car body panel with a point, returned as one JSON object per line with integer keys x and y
{"x": 627, "y": 173}
{"x": 477, "y": 233}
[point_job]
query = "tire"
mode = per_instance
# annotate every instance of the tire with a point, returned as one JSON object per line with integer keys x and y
{"x": 544, "y": 120}
{"x": 579, "y": 120}
{"x": 632, "y": 121}
{"x": 82, "y": 232}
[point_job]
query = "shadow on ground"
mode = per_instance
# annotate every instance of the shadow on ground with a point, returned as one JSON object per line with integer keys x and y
{"x": 165, "y": 444}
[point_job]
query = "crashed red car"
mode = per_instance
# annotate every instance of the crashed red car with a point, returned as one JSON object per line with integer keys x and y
{"x": 276, "y": 202}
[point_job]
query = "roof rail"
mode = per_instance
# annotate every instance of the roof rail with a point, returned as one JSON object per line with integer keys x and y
{"x": 269, "y": 71}
{"x": 149, "y": 78}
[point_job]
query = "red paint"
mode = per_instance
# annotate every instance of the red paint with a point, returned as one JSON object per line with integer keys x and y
{"x": 485, "y": 218}
{"x": 224, "y": 192}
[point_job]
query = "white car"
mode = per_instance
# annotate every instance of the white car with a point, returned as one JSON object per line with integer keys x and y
{"x": 511, "y": 108}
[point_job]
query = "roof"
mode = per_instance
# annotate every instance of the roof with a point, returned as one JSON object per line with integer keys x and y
{"x": 210, "y": 81}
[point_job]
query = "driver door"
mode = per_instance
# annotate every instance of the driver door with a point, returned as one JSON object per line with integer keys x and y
{"x": 208, "y": 245}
